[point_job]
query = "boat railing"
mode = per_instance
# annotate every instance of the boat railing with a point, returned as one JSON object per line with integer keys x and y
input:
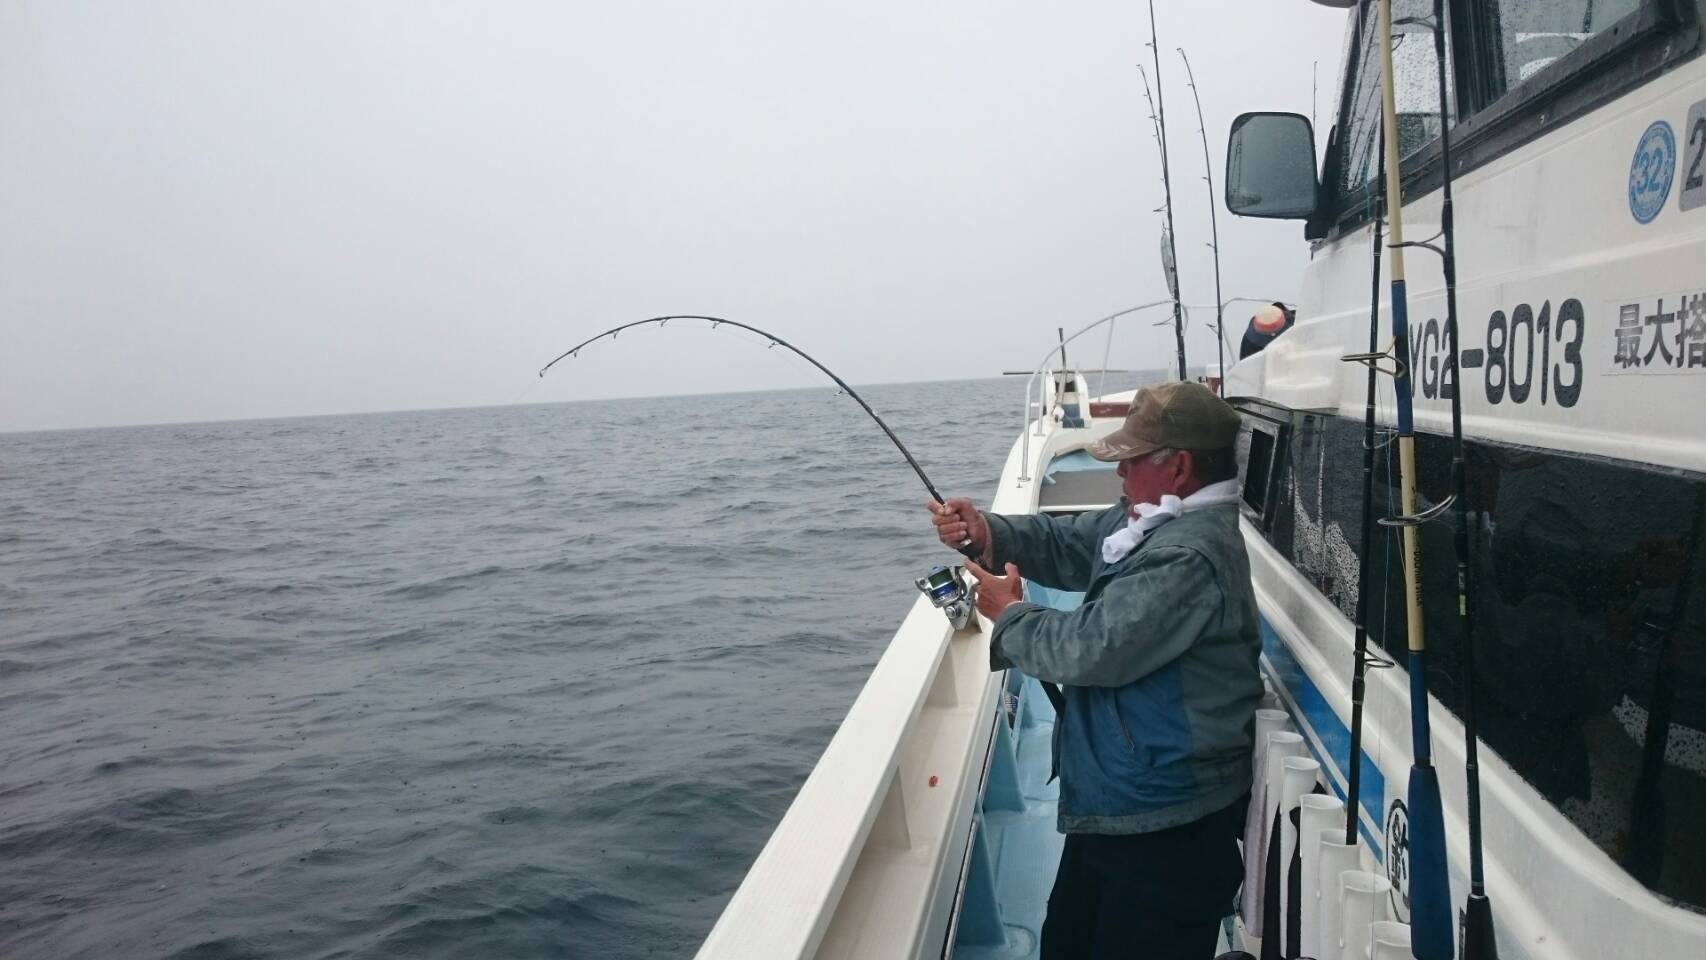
{"x": 1038, "y": 405}
{"x": 1044, "y": 366}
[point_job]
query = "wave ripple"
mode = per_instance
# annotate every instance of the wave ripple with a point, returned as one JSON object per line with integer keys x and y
{"x": 512, "y": 682}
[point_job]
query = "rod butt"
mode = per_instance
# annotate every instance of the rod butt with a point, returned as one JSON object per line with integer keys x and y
{"x": 1478, "y": 941}
{"x": 1430, "y": 889}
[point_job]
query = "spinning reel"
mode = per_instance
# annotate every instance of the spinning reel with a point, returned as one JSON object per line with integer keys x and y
{"x": 950, "y": 593}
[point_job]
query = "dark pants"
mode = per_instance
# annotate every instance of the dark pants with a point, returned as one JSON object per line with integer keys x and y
{"x": 1148, "y": 896}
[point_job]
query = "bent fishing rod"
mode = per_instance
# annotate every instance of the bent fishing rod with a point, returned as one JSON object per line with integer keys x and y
{"x": 1429, "y": 888}
{"x": 965, "y": 548}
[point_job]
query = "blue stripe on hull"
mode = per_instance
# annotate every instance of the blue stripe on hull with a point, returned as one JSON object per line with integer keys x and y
{"x": 1327, "y": 736}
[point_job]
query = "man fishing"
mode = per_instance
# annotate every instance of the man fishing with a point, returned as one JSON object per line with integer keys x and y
{"x": 1159, "y": 670}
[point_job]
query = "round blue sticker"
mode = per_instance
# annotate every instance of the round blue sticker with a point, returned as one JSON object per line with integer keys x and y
{"x": 1651, "y": 172}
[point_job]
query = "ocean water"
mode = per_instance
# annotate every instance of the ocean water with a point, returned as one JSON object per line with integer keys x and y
{"x": 521, "y": 682}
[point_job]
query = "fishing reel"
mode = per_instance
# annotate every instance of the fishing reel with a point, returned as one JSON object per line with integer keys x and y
{"x": 950, "y": 593}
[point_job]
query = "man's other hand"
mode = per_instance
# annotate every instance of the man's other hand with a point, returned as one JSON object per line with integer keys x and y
{"x": 958, "y": 521}
{"x": 995, "y": 594}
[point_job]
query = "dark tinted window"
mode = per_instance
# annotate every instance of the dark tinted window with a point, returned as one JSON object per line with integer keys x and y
{"x": 1257, "y": 463}
{"x": 1591, "y": 593}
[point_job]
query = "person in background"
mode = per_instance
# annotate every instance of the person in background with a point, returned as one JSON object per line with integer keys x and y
{"x": 1159, "y": 672}
{"x": 1267, "y": 323}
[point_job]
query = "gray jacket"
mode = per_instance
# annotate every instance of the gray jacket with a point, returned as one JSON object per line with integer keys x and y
{"x": 1158, "y": 665}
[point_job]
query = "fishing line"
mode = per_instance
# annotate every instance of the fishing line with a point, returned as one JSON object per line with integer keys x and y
{"x": 524, "y": 392}
{"x": 774, "y": 341}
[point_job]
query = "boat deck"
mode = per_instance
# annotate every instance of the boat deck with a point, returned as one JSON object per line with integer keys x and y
{"x": 1017, "y": 848}
{"x": 1076, "y": 483}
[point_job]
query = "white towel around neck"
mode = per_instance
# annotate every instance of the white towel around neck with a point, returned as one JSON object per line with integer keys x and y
{"x": 1147, "y": 516}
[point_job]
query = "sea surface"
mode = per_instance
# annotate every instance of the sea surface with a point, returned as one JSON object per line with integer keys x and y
{"x": 512, "y": 682}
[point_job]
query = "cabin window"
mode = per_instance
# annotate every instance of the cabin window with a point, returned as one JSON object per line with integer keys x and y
{"x": 1590, "y": 584}
{"x": 1261, "y": 442}
{"x": 1516, "y": 70}
{"x": 1261, "y": 459}
{"x": 1416, "y": 92}
{"x": 1534, "y": 35}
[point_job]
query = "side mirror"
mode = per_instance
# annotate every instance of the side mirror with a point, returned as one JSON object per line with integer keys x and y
{"x": 1270, "y": 167}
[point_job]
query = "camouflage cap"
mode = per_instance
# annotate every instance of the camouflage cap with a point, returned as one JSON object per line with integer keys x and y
{"x": 1177, "y": 415}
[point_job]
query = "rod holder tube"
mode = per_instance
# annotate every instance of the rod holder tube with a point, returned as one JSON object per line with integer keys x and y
{"x": 1363, "y": 900}
{"x": 1389, "y": 940}
{"x": 1337, "y": 858}
{"x": 1297, "y": 780}
{"x": 1259, "y": 823}
{"x": 1321, "y": 816}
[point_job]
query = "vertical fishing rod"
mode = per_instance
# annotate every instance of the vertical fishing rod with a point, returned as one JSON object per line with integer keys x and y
{"x": 1430, "y": 891}
{"x": 1169, "y": 262}
{"x": 1365, "y": 566}
{"x": 1477, "y": 938}
{"x": 1167, "y": 187}
{"x": 1214, "y": 229}
{"x": 1314, "y": 96}
{"x": 1169, "y": 265}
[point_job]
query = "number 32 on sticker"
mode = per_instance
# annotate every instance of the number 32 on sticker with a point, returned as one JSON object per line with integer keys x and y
{"x": 1530, "y": 356}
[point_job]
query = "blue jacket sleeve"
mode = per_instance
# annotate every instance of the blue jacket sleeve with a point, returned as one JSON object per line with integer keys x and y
{"x": 1144, "y": 620}
{"x": 1057, "y": 552}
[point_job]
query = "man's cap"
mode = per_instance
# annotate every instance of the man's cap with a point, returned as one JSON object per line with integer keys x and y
{"x": 1178, "y": 415}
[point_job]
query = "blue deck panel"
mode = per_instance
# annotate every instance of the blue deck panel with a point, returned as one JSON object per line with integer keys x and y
{"x": 1018, "y": 847}
{"x": 1073, "y": 462}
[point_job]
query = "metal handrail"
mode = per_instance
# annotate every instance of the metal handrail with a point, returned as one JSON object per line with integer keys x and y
{"x": 1025, "y": 423}
{"x": 1042, "y": 366}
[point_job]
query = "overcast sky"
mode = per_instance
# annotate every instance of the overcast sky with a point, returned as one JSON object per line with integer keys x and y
{"x": 245, "y": 209}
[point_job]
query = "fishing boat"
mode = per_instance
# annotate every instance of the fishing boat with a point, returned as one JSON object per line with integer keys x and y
{"x": 1578, "y": 132}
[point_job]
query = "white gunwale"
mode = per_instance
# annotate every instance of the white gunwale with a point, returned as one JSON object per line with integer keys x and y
{"x": 868, "y": 858}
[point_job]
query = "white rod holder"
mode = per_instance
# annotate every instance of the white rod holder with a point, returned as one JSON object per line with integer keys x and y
{"x": 1323, "y": 816}
{"x": 1363, "y": 902}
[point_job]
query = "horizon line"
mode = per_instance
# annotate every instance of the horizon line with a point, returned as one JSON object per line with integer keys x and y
{"x": 490, "y": 406}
